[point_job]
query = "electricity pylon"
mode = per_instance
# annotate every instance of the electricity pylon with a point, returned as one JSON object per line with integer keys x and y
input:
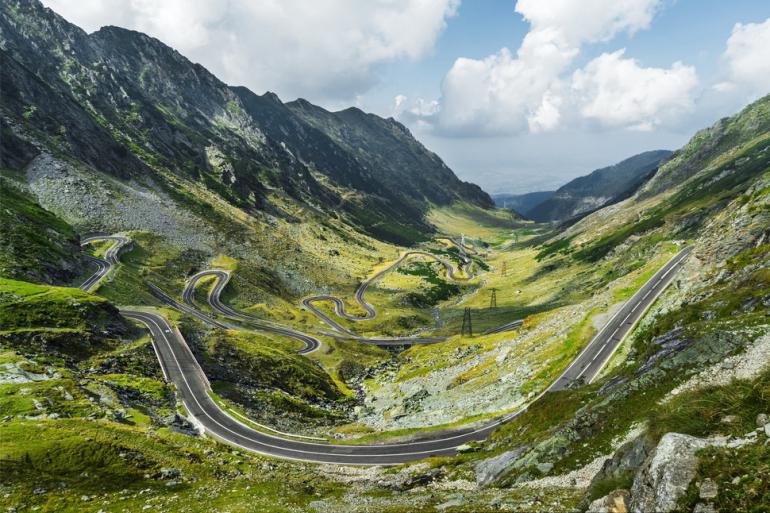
{"x": 493, "y": 298}
{"x": 467, "y": 326}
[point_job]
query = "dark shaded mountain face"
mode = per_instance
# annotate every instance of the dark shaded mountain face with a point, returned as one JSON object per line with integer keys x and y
{"x": 522, "y": 203}
{"x": 127, "y": 105}
{"x": 388, "y": 154}
{"x": 602, "y": 187}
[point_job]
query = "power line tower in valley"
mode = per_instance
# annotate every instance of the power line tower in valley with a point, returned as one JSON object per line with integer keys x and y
{"x": 467, "y": 326}
{"x": 504, "y": 270}
{"x": 493, "y": 298}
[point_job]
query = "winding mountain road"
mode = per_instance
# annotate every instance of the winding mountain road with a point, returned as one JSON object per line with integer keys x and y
{"x": 371, "y": 313}
{"x": 110, "y": 257}
{"x": 181, "y": 368}
{"x": 311, "y": 342}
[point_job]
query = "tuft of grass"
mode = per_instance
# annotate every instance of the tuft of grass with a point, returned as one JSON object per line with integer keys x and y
{"x": 742, "y": 477}
{"x": 701, "y": 412}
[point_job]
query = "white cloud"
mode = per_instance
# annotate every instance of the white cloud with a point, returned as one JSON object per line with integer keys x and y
{"x": 504, "y": 93}
{"x": 325, "y": 49}
{"x": 618, "y": 92}
{"x": 418, "y": 112}
{"x": 547, "y": 115}
{"x": 748, "y": 58}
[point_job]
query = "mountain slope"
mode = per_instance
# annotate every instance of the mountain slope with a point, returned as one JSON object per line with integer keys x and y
{"x": 34, "y": 244}
{"x": 718, "y": 141}
{"x": 599, "y": 188}
{"x": 522, "y": 203}
{"x": 391, "y": 156}
{"x": 716, "y": 309}
{"x": 135, "y": 108}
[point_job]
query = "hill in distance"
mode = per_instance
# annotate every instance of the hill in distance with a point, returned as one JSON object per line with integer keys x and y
{"x": 522, "y": 203}
{"x": 600, "y": 188}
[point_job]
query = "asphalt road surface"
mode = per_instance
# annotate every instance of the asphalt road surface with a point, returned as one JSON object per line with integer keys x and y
{"x": 590, "y": 362}
{"x": 110, "y": 257}
{"x": 505, "y": 327}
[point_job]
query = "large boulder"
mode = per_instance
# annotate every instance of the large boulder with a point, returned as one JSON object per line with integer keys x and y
{"x": 491, "y": 468}
{"x": 664, "y": 479}
{"x": 615, "y": 502}
{"x": 623, "y": 464}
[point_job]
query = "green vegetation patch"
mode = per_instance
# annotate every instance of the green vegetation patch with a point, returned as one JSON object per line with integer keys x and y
{"x": 741, "y": 475}
{"x": 439, "y": 290}
{"x": 147, "y": 387}
{"x": 254, "y": 360}
{"x": 703, "y": 412}
{"x": 26, "y": 305}
{"x": 50, "y": 321}
{"x": 35, "y": 244}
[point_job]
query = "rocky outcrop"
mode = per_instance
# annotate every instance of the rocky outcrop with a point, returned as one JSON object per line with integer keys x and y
{"x": 489, "y": 469}
{"x": 668, "y": 473}
{"x": 623, "y": 464}
{"x": 614, "y": 502}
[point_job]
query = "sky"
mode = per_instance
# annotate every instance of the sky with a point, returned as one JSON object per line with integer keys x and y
{"x": 515, "y": 95}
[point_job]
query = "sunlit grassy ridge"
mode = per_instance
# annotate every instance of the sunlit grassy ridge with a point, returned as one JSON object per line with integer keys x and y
{"x": 62, "y": 320}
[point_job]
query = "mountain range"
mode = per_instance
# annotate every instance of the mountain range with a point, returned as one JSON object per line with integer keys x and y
{"x": 126, "y": 104}
{"x": 585, "y": 194}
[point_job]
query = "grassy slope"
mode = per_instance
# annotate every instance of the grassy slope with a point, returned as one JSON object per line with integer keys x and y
{"x": 271, "y": 384}
{"x": 35, "y": 245}
{"x": 62, "y": 321}
{"x": 26, "y": 305}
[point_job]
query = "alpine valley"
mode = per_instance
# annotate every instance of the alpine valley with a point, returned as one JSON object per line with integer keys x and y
{"x": 212, "y": 300}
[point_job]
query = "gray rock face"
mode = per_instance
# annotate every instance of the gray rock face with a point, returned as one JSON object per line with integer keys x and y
{"x": 489, "y": 469}
{"x": 627, "y": 458}
{"x": 704, "y": 507}
{"x": 170, "y": 473}
{"x": 625, "y": 461}
{"x": 708, "y": 489}
{"x": 667, "y": 474}
{"x": 180, "y": 424}
{"x": 670, "y": 343}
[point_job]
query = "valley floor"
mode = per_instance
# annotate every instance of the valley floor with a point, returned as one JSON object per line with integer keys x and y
{"x": 89, "y": 421}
